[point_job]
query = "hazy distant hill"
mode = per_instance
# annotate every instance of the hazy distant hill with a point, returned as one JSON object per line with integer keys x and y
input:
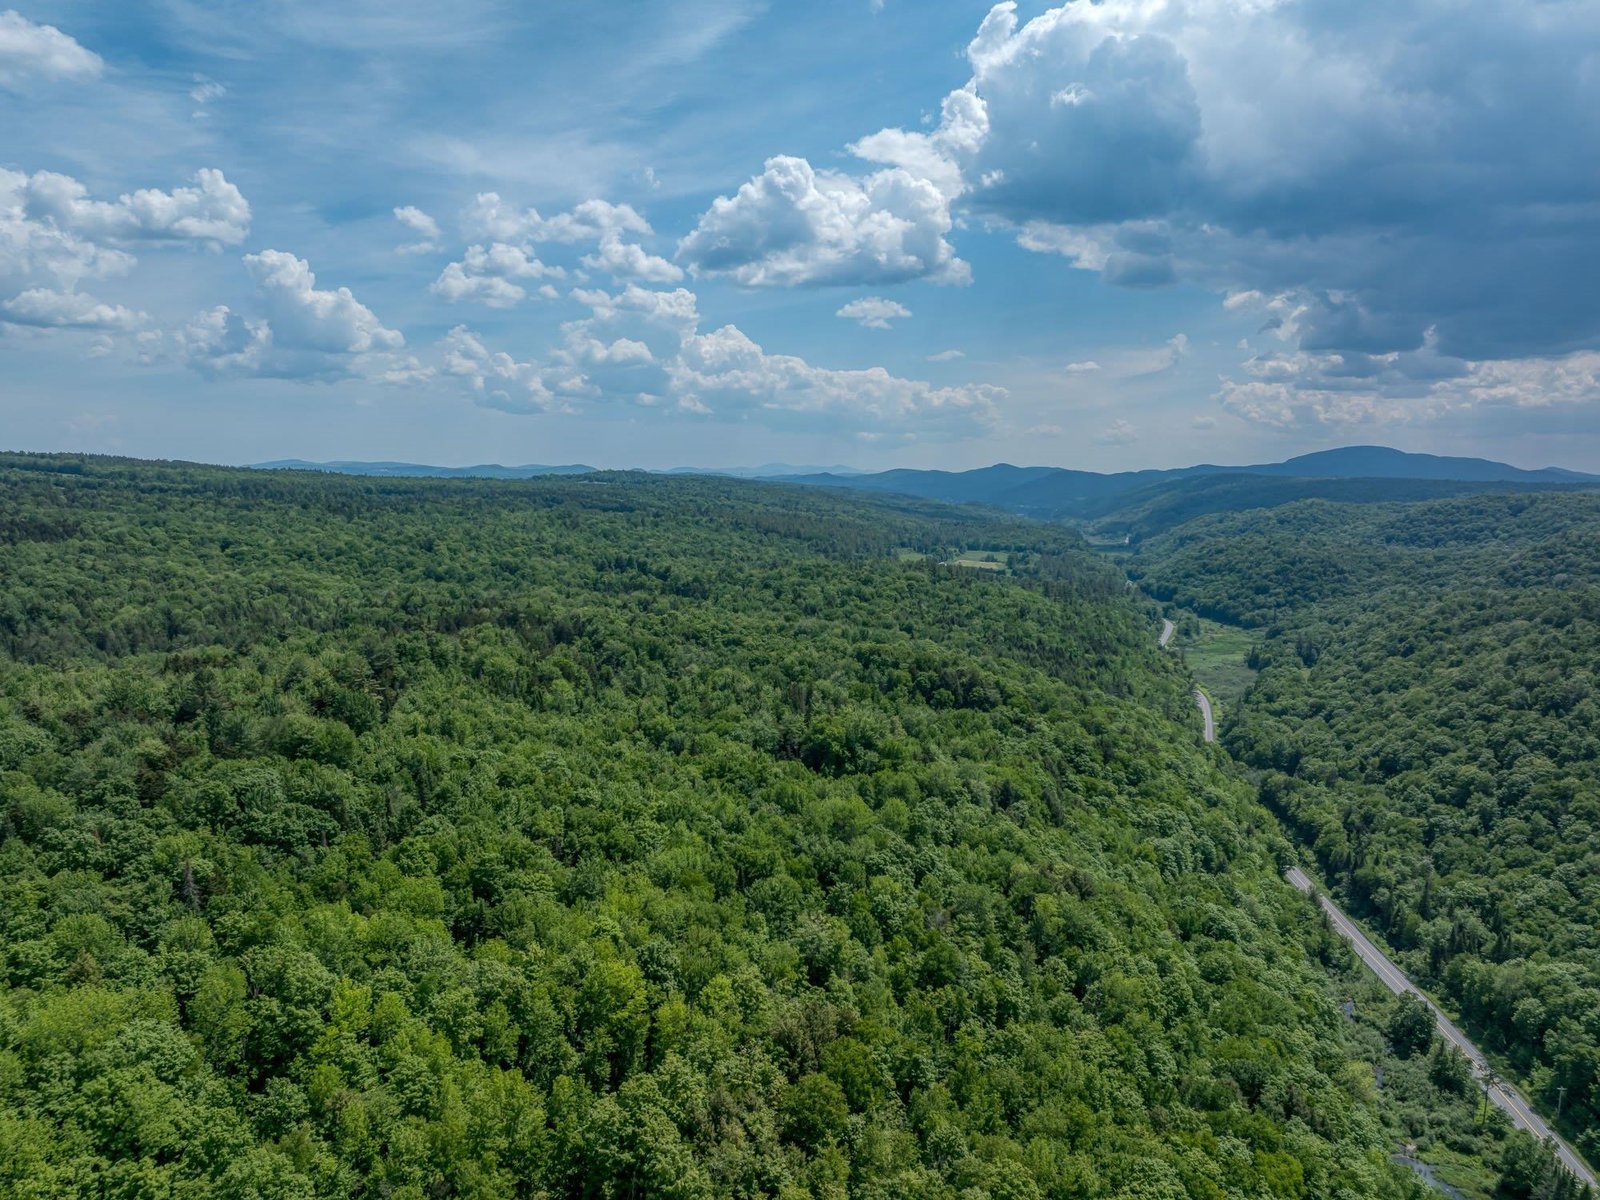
{"x": 1382, "y": 462}
{"x": 1137, "y": 502}
{"x": 1062, "y": 492}
{"x": 764, "y": 471}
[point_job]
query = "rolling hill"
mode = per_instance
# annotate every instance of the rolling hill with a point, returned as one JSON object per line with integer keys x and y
{"x": 1055, "y": 492}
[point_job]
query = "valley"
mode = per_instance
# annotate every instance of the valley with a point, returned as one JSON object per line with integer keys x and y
{"x": 1415, "y": 660}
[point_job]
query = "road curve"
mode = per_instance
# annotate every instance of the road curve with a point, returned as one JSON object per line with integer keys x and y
{"x": 1505, "y": 1097}
{"x": 1204, "y": 702}
{"x": 1167, "y": 630}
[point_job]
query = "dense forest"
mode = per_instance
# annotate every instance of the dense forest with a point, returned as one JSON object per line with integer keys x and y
{"x": 1427, "y": 720}
{"x": 620, "y": 836}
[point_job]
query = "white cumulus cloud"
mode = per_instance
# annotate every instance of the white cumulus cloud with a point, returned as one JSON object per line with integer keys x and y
{"x": 730, "y": 376}
{"x": 1300, "y": 389}
{"x": 52, "y": 230}
{"x": 424, "y": 227}
{"x": 490, "y": 217}
{"x": 498, "y": 380}
{"x": 32, "y": 248}
{"x": 212, "y": 212}
{"x": 299, "y": 331}
{"x": 643, "y": 348}
{"x": 304, "y": 316}
{"x": 628, "y": 260}
{"x": 490, "y": 274}
{"x": 43, "y": 308}
{"x": 793, "y": 225}
{"x": 873, "y": 312}
{"x": 937, "y": 156}
{"x": 222, "y": 342}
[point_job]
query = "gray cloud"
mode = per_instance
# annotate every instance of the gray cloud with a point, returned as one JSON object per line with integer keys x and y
{"x": 1400, "y": 167}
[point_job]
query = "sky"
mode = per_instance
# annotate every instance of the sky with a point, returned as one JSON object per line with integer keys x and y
{"x": 873, "y": 233}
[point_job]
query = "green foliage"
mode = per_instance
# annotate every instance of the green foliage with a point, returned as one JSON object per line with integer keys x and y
{"x": 1151, "y": 511}
{"x": 1426, "y": 722}
{"x": 1448, "y": 1069}
{"x": 624, "y": 836}
{"x": 1530, "y": 1171}
{"x": 1411, "y": 1025}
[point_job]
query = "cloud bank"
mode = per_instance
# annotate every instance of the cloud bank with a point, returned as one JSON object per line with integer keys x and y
{"x": 642, "y": 349}
{"x": 1398, "y": 176}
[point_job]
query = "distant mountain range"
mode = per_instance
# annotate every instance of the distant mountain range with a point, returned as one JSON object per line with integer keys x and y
{"x": 1139, "y": 504}
{"x": 1054, "y": 491}
{"x": 765, "y": 471}
{"x": 1133, "y": 503}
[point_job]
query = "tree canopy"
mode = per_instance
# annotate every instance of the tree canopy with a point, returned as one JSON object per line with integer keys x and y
{"x": 1426, "y": 722}
{"x": 625, "y": 836}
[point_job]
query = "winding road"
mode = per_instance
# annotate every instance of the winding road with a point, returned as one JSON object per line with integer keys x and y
{"x": 1504, "y": 1096}
{"x": 1200, "y": 698}
{"x": 1204, "y": 702}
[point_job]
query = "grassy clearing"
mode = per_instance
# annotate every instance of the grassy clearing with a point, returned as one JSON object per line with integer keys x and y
{"x": 984, "y": 560}
{"x": 1460, "y": 1171}
{"x": 1217, "y": 654}
{"x": 1105, "y": 541}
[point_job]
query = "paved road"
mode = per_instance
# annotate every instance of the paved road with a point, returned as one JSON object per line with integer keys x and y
{"x": 1204, "y": 702}
{"x": 1503, "y": 1094}
{"x": 1167, "y": 630}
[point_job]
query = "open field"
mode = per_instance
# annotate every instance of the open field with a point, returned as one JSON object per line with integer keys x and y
{"x": 982, "y": 560}
{"x": 1218, "y": 655}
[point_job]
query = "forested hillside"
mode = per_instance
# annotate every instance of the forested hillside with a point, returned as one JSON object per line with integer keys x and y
{"x": 1427, "y": 718}
{"x": 624, "y": 837}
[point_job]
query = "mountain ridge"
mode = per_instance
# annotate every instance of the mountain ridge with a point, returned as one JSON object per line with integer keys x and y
{"x": 1067, "y": 492}
{"x": 1138, "y": 502}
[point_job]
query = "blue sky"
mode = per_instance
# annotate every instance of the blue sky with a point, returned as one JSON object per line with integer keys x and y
{"x": 722, "y": 232}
